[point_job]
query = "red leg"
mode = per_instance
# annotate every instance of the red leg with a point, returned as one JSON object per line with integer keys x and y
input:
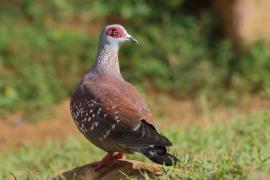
{"x": 110, "y": 158}
{"x": 120, "y": 155}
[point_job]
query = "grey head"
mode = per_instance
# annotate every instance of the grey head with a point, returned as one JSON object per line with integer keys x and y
{"x": 110, "y": 40}
{"x": 113, "y": 36}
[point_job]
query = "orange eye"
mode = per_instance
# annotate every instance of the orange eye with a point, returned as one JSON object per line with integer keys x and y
{"x": 114, "y": 32}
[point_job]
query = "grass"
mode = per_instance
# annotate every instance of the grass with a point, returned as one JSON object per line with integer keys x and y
{"x": 240, "y": 150}
{"x": 47, "y": 46}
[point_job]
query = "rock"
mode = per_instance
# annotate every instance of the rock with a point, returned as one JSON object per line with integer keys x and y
{"x": 245, "y": 21}
{"x": 119, "y": 170}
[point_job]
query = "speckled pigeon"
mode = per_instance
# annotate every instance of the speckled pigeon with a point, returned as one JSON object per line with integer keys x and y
{"x": 109, "y": 111}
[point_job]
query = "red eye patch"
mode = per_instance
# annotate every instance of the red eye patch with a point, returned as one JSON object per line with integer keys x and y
{"x": 115, "y": 32}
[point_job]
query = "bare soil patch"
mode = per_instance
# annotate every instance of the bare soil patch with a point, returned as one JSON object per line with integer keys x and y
{"x": 14, "y": 133}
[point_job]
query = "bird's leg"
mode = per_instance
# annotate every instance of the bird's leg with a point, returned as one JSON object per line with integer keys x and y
{"x": 110, "y": 158}
{"x": 120, "y": 155}
{"x": 99, "y": 164}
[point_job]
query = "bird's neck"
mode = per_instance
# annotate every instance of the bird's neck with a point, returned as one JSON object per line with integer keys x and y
{"x": 107, "y": 62}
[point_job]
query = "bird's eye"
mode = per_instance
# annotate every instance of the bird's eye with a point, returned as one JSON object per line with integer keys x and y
{"x": 114, "y": 32}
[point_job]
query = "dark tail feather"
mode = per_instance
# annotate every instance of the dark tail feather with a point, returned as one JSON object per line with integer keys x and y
{"x": 159, "y": 154}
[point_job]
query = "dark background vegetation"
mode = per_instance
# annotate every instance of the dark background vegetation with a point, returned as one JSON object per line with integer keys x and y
{"x": 47, "y": 46}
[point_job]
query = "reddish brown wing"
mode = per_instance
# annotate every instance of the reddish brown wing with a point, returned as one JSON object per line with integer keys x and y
{"x": 115, "y": 104}
{"x": 134, "y": 96}
{"x": 128, "y": 125}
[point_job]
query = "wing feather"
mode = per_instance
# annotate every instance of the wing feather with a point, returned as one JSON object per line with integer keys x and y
{"x": 125, "y": 122}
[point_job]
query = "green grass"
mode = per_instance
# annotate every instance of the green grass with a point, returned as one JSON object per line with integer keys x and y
{"x": 240, "y": 150}
{"x": 45, "y": 49}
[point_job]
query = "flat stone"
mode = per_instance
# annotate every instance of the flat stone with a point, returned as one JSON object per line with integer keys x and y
{"x": 119, "y": 170}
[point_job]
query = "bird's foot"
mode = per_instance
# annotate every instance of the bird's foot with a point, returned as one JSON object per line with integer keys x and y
{"x": 110, "y": 158}
{"x": 119, "y": 155}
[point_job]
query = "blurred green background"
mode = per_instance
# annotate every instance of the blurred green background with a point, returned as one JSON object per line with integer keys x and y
{"x": 47, "y": 46}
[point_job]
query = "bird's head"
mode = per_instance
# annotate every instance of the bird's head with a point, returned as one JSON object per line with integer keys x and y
{"x": 114, "y": 35}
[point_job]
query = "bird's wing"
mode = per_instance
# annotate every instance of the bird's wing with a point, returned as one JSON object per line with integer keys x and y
{"x": 124, "y": 121}
{"x": 138, "y": 101}
{"x": 114, "y": 104}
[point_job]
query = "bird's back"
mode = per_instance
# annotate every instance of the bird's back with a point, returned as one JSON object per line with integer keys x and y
{"x": 127, "y": 90}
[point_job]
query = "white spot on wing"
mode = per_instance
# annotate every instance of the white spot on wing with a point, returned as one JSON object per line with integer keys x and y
{"x": 151, "y": 153}
{"x": 94, "y": 125}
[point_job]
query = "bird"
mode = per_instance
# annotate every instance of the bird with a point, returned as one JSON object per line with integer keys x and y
{"x": 109, "y": 111}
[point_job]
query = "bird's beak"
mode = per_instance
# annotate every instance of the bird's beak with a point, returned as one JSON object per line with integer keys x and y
{"x": 130, "y": 38}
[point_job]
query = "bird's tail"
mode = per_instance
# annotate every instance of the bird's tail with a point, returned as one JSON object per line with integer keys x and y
{"x": 159, "y": 154}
